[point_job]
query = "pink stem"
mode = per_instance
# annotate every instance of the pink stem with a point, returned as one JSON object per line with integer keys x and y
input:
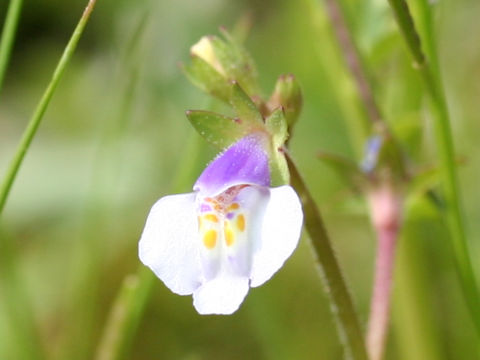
{"x": 385, "y": 207}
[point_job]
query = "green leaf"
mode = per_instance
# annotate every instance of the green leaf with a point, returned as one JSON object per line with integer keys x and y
{"x": 245, "y": 108}
{"x": 219, "y": 130}
{"x": 348, "y": 170}
{"x": 205, "y": 77}
{"x": 277, "y": 126}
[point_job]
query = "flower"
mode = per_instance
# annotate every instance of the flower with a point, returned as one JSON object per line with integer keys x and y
{"x": 232, "y": 233}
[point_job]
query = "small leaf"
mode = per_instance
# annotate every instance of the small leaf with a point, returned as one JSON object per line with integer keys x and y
{"x": 245, "y": 108}
{"x": 219, "y": 130}
{"x": 204, "y": 76}
{"x": 277, "y": 126}
{"x": 348, "y": 170}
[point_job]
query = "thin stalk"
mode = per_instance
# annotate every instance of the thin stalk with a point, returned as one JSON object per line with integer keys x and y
{"x": 381, "y": 299}
{"x": 12, "y": 274}
{"x": 443, "y": 134}
{"x": 386, "y": 210}
{"x": 125, "y": 315}
{"x": 40, "y": 109}
{"x": 353, "y": 61}
{"x": 383, "y": 199}
{"x": 8, "y": 36}
{"x": 341, "y": 301}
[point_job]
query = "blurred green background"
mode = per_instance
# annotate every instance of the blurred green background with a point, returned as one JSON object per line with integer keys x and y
{"x": 115, "y": 139}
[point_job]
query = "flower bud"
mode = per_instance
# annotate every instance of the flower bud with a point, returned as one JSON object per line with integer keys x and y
{"x": 288, "y": 95}
{"x": 204, "y": 49}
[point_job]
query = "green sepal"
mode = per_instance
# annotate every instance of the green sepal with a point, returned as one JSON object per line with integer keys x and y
{"x": 277, "y": 127}
{"x": 219, "y": 130}
{"x": 205, "y": 77}
{"x": 244, "y": 107}
{"x": 346, "y": 169}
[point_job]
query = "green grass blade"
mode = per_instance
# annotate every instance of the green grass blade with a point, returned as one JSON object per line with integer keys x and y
{"x": 39, "y": 111}
{"x": 8, "y": 36}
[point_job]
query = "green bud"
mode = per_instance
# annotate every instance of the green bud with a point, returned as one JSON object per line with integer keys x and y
{"x": 288, "y": 95}
{"x": 227, "y": 60}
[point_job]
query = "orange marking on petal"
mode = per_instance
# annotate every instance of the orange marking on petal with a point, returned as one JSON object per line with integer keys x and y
{"x": 210, "y": 239}
{"x": 234, "y": 206}
{"x": 241, "y": 222}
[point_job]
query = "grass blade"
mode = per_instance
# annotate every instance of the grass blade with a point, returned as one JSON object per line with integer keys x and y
{"x": 8, "y": 36}
{"x": 39, "y": 111}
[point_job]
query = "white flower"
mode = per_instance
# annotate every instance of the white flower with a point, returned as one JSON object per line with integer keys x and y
{"x": 232, "y": 233}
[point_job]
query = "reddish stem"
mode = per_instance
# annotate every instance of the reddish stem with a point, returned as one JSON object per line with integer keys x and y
{"x": 386, "y": 212}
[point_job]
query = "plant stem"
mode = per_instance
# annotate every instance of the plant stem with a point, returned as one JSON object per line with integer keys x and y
{"x": 8, "y": 36}
{"x": 341, "y": 302}
{"x": 125, "y": 315}
{"x": 443, "y": 134}
{"x": 39, "y": 111}
{"x": 380, "y": 302}
{"x": 386, "y": 210}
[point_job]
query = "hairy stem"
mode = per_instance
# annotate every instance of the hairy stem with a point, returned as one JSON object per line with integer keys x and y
{"x": 380, "y": 302}
{"x": 340, "y": 299}
{"x": 445, "y": 146}
{"x": 386, "y": 209}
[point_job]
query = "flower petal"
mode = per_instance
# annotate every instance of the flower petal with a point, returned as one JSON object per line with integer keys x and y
{"x": 282, "y": 225}
{"x": 169, "y": 244}
{"x": 245, "y": 162}
{"x": 222, "y": 295}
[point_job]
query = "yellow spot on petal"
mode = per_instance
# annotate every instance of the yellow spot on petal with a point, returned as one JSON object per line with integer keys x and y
{"x": 199, "y": 222}
{"x": 217, "y": 207}
{"x": 241, "y": 222}
{"x": 229, "y": 236}
{"x": 211, "y": 217}
{"x": 234, "y": 206}
{"x": 210, "y": 239}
